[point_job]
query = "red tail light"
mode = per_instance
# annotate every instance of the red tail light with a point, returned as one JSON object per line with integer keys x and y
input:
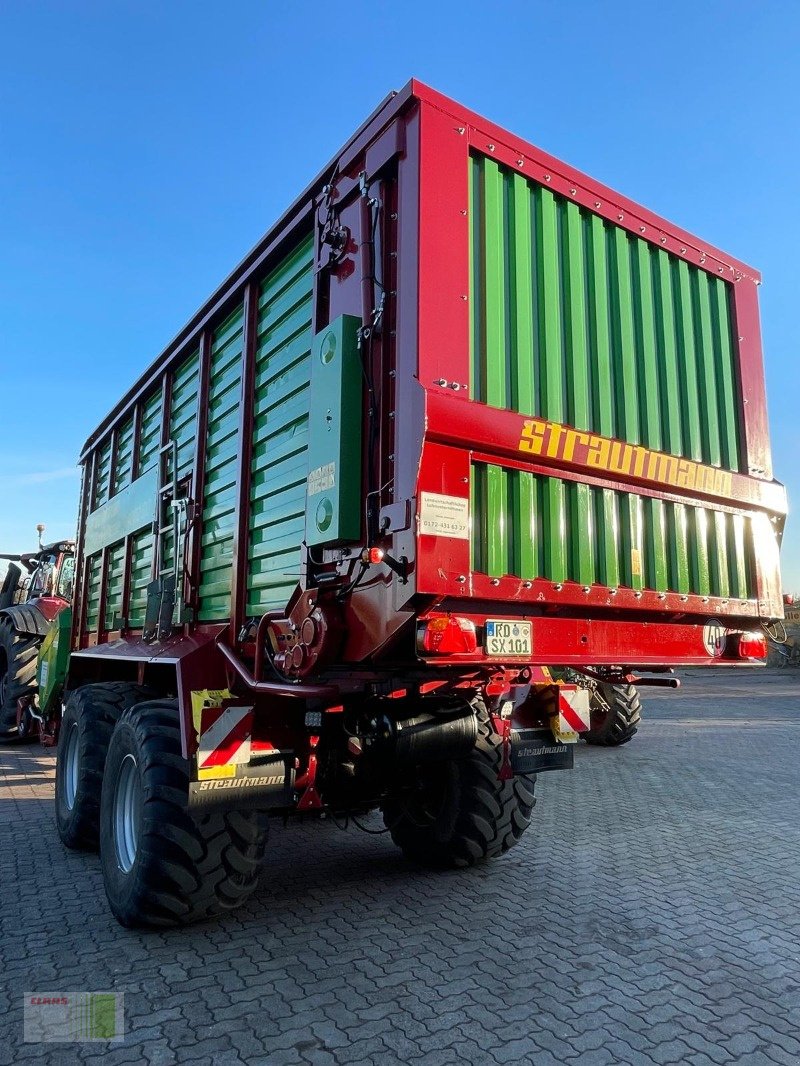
{"x": 752, "y": 646}
{"x": 447, "y": 636}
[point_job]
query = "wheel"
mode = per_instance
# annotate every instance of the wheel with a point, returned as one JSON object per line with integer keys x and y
{"x": 458, "y": 812}
{"x": 86, "y": 726}
{"x": 17, "y": 674}
{"x": 161, "y": 865}
{"x": 616, "y": 713}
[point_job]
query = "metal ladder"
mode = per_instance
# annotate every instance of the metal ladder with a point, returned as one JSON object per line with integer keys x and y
{"x": 169, "y": 526}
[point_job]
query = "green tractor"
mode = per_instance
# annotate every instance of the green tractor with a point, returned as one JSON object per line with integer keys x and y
{"x": 35, "y": 620}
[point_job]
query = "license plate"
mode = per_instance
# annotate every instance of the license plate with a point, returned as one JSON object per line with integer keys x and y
{"x": 508, "y": 638}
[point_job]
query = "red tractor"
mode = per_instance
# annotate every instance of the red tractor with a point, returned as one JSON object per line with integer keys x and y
{"x": 37, "y": 587}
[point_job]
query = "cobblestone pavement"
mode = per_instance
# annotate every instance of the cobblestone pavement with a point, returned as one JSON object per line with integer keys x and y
{"x": 650, "y": 915}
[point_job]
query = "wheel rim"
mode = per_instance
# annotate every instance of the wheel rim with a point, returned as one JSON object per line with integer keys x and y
{"x": 71, "y": 766}
{"x": 125, "y": 815}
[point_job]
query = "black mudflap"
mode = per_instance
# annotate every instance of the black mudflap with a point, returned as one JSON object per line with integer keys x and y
{"x": 266, "y": 781}
{"x": 534, "y": 750}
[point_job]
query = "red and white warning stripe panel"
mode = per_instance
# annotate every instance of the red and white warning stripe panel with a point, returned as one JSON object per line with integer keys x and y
{"x": 574, "y": 714}
{"x": 224, "y": 740}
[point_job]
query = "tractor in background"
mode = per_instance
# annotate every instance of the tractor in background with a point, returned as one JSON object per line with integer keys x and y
{"x": 35, "y": 618}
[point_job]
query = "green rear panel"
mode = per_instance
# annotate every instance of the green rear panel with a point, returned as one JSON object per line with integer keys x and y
{"x": 222, "y": 451}
{"x": 577, "y": 321}
{"x": 280, "y": 432}
{"x": 596, "y": 536}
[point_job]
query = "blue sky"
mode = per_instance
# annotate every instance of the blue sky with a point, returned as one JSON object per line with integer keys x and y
{"x": 144, "y": 147}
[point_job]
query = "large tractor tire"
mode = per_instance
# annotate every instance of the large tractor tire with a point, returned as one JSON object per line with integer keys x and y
{"x": 458, "y": 812}
{"x": 86, "y": 727}
{"x": 162, "y": 866}
{"x": 616, "y": 712}
{"x": 18, "y": 653}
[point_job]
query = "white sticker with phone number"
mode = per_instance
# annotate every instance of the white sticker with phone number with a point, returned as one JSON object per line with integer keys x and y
{"x": 444, "y": 516}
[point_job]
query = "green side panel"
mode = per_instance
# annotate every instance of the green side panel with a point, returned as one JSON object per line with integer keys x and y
{"x": 496, "y": 299}
{"x": 567, "y": 305}
{"x": 655, "y": 549}
{"x": 221, "y": 455}
{"x": 644, "y": 306}
{"x": 497, "y": 561}
{"x": 524, "y": 533}
{"x": 739, "y": 556}
{"x": 726, "y": 373}
{"x": 599, "y": 330}
{"x": 720, "y": 584}
{"x": 548, "y": 304}
{"x": 124, "y": 464}
{"x": 141, "y": 573}
{"x": 687, "y": 360}
{"x": 707, "y": 360}
{"x": 698, "y": 550}
{"x": 531, "y": 526}
{"x": 667, "y": 355}
{"x": 93, "y": 591}
{"x": 606, "y": 516}
{"x": 333, "y": 494}
{"x": 114, "y": 576}
{"x": 132, "y": 508}
{"x": 678, "y": 548}
{"x": 280, "y": 431}
{"x": 521, "y": 320}
{"x": 150, "y": 431}
{"x": 102, "y": 477}
{"x": 53, "y": 660}
{"x": 623, "y": 351}
{"x": 183, "y": 412}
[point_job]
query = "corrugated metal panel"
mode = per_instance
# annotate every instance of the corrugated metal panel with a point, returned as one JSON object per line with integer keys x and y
{"x": 102, "y": 477}
{"x": 280, "y": 431}
{"x": 183, "y": 411}
{"x": 222, "y": 449}
{"x": 530, "y": 526}
{"x": 150, "y": 431}
{"x": 124, "y": 461}
{"x": 578, "y": 321}
{"x": 114, "y": 576}
{"x": 94, "y": 565}
{"x": 141, "y": 567}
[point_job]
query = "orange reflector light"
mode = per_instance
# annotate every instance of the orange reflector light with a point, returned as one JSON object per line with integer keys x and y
{"x": 752, "y": 646}
{"x": 447, "y": 636}
{"x": 372, "y": 555}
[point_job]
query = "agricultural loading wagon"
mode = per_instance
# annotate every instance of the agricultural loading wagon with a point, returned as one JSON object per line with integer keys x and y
{"x": 461, "y": 416}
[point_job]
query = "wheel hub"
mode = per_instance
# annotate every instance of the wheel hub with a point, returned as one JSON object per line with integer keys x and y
{"x": 125, "y": 815}
{"x": 71, "y": 766}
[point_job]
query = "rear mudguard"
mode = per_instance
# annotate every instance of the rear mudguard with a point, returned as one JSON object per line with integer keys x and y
{"x": 26, "y": 619}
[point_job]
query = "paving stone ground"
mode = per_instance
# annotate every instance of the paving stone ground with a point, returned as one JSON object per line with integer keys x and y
{"x": 650, "y": 915}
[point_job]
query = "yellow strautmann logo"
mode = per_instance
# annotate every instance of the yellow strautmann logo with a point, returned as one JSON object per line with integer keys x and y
{"x": 576, "y": 447}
